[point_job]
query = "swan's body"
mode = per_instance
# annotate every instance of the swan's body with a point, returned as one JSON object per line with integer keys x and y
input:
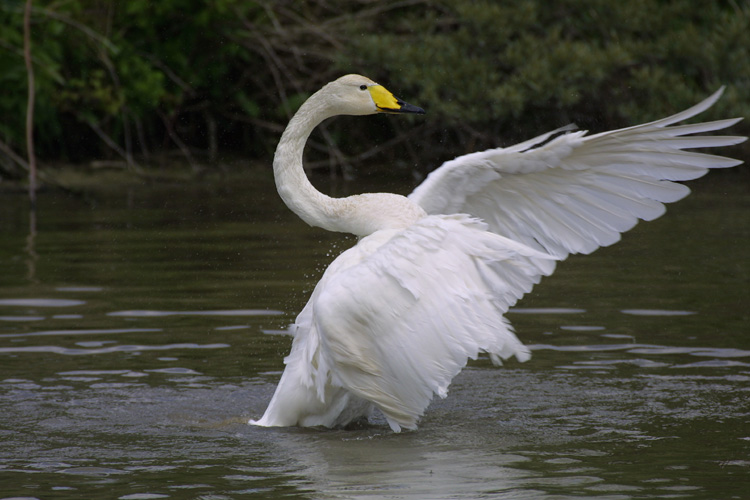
{"x": 397, "y": 316}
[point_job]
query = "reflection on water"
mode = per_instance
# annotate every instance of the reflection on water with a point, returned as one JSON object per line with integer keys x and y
{"x": 153, "y": 329}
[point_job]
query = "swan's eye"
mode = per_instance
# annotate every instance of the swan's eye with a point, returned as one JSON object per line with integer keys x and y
{"x": 363, "y": 87}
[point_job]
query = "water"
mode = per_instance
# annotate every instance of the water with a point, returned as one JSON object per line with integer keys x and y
{"x": 139, "y": 331}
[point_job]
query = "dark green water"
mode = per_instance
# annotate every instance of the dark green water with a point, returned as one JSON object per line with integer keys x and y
{"x": 138, "y": 334}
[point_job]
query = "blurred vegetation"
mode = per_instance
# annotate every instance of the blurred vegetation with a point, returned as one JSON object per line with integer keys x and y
{"x": 140, "y": 83}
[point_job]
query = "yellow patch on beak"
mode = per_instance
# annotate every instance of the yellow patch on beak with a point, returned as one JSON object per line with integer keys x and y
{"x": 387, "y": 102}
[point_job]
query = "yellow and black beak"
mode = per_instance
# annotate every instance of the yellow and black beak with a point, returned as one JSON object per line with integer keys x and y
{"x": 388, "y": 103}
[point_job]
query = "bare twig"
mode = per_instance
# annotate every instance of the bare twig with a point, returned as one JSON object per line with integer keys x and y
{"x": 141, "y": 138}
{"x": 169, "y": 72}
{"x": 169, "y": 125}
{"x": 13, "y": 156}
{"x": 80, "y": 27}
{"x": 114, "y": 146}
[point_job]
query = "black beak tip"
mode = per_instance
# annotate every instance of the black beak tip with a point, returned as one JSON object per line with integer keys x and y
{"x": 410, "y": 108}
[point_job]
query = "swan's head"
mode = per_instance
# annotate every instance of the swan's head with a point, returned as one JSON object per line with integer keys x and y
{"x": 358, "y": 95}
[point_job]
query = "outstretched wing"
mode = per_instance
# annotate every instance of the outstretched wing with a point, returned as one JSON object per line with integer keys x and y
{"x": 578, "y": 192}
{"x": 402, "y": 320}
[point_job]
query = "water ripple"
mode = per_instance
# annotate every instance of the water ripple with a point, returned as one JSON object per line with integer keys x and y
{"x": 94, "y": 372}
{"x": 21, "y": 318}
{"x": 175, "y": 370}
{"x": 92, "y": 471}
{"x": 716, "y": 352}
{"x": 81, "y": 332}
{"x": 643, "y": 363}
{"x": 582, "y": 328}
{"x": 231, "y": 312}
{"x": 142, "y": 496}
{"x": 713, "y": 363}
{"x": 103, "y": 350}
{"x": 41, "y": 302}
{"x": 633, "y": 348}
{"x": 545, "y": 310}
{"x": 590, "y": 347}
{"x": 79, "y": 289}
{"x": 656, "y": 312}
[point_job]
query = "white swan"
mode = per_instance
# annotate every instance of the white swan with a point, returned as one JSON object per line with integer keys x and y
{"x": 396, "y": 317}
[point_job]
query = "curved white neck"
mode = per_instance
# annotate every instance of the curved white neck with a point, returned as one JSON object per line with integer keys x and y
{"x": 291, "y": 182}
{"x": 361, "y": 214}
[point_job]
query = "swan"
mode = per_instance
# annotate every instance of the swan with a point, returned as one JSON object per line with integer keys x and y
{"x": 396, "y": 317}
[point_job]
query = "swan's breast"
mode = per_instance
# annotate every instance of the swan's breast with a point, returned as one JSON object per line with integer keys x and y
{"x": 367, "y": 213}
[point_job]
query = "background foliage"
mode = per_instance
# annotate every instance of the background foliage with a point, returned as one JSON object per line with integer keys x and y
{"x": 134, "y": 82}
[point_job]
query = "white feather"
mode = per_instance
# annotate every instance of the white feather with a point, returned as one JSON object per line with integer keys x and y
{"x": 578, "y": 192}
{"x": 375, "y": 330}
